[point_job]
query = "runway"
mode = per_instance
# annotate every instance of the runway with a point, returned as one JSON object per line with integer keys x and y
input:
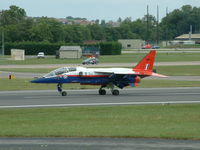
{"x": 130, "y": 96}
{"x": 82, "y": 98}
{"x": 96, "y": 144}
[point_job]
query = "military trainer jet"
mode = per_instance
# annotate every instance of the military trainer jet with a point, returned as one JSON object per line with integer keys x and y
{"x": 105, "y": 77}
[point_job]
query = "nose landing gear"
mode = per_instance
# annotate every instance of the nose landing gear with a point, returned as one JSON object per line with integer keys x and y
{"x": 59, "y": 88}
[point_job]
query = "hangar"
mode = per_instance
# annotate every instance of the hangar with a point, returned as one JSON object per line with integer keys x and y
{"x": 189, "y": 37}
{"x": 70, "y": 52}
{"x": 131, "y": 43}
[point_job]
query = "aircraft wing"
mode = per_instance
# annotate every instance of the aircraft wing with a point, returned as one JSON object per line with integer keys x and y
{"x": 130, "y": 72}
{"x": 116, "y": 72}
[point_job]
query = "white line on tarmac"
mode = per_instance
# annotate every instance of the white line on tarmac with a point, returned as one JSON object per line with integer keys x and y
{"x": 101, "y": 104}
{"x": 82, "y": 90}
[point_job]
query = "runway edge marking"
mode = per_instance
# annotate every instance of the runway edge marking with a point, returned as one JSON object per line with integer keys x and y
{"x": 101, "y": 104}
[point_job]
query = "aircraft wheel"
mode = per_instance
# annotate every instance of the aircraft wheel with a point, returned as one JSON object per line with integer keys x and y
{"x": 64, "y": 93}
{"x": 115, "y": 92}
{"x": 102, "y": 92}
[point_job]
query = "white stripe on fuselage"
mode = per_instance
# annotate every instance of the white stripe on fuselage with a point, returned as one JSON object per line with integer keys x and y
{"x": 107, "y": 70}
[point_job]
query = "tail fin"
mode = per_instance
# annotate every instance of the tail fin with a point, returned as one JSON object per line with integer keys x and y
{"x": 146, "y": 64}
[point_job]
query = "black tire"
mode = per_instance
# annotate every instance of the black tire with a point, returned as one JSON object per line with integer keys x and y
{"x": 115, "y": 92}
{"x": 102, "y": 92}
{"x": 64, "y": 93}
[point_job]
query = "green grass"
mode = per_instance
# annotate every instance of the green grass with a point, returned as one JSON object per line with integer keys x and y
{"x": 28, "y": 70}
{"x": 167, "y": 83}
{"x": 174, "y": 49}
{"x": 124, "y": 58}
{"x": 24, "y": 84}
{"x": 50, "y": 60}
{"x": 151, "y": 121}
{"x": 160, "y": 57}
{"x": 190, "y": 70}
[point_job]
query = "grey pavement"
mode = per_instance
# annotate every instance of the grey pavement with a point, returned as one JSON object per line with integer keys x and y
{"x": 135, "y": 96}
{"x": 96, "y": 144}
{"x": 180, "y": 63}
{"x": 90, "y": 97}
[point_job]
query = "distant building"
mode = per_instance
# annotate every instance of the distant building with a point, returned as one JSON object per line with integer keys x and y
{"x": 131, "y": 43}
{"x": 185, "y": 38}
{"x": 114, "y": 24}
{"x": 17, "y": 54}
{"x": 70, "y": 52}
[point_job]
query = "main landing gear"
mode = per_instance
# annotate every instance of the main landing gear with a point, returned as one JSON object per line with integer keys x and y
{"x": 102, "y": 91}
{"x": 59, "y": 87}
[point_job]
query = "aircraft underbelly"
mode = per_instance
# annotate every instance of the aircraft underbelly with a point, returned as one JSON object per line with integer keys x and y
{"x": 94, "y": 80}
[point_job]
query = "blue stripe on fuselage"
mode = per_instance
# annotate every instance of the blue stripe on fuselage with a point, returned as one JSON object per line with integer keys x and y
{"x": 73, "y": 79}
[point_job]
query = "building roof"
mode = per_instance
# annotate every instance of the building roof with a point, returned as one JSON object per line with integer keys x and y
{"x": 186, "y": 36}
{"x": 70, "y": 48}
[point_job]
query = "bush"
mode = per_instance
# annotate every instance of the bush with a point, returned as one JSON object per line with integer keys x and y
{"x": 110, "y": 48}
{"x": 33, "y": 48}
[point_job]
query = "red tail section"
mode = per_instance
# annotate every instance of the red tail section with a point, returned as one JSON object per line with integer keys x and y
{"x": 146, "y": 64}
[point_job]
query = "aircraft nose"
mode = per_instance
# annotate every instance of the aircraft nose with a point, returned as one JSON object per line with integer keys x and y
{"x": 38, "y": 80}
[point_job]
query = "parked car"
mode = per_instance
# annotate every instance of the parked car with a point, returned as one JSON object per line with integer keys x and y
{"x": 91, "y": 60}
{"x": 40, "y": 55}
{"x": 148, "y": 46}
{"x": 156, "y": 47}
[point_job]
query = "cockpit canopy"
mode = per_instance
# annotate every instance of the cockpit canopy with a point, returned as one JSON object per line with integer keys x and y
{"x": 60, "y": 71}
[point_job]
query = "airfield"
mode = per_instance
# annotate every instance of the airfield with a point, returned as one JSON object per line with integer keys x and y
{"x": 39, "y": 99}
{"x": 137, "y": 96}
{"x": 96, "y": 143}
{"x": 90, "y": 98}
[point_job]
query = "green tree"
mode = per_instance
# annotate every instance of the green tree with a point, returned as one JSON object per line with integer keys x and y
{"x": 12, "y": 16}
{"x": 178, "y": 22}
{"x": 97, "y": 32}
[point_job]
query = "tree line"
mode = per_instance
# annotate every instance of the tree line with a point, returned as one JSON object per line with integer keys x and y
{"x": 17, "y": 27}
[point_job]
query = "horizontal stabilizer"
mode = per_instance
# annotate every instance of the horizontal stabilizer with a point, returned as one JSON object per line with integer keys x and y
{"x": 158, "y": 75}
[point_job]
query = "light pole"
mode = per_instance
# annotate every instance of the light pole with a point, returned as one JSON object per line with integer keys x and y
{"x": 3, "y": 47}
{"x": 147, "y": 29}
{"x": 157, "y": 26}
{"x": 2, "y": 35}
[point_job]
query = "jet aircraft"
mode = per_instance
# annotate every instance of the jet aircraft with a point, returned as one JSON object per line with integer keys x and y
{"x": 105, "y": 77}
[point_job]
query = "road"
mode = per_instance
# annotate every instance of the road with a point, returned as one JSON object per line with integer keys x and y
{"x": 179, "y": 63}
{"x": 20, "y": 99}
{"x": 96, "y": 144}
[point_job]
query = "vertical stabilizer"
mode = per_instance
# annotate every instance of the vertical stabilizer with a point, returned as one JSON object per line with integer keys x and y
{"x": 146, "y": 64}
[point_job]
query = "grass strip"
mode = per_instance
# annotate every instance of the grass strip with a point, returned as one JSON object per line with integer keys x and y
{"x": 149, "y": 121}
{"x": 24, "y": 84}
{"x": 124, "y": 58}
{"x": 185, "y": 70}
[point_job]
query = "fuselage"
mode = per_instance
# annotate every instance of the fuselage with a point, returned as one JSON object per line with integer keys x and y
{"x": 90, "y": 76}
{"x": 106, "y": 77}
